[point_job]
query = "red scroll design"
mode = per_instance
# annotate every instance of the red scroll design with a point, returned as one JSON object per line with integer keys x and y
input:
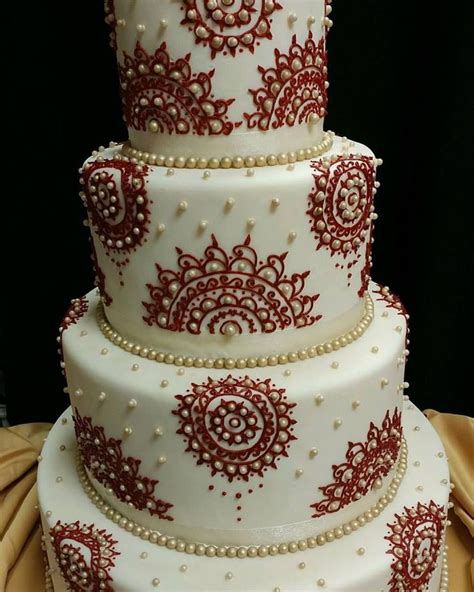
{"x": 163, "y": 95}
{"x": 229, "y": 294}
{"x": 85, "y": 556}
{"x": 238, "y": 427}
{"x": 104, "y": 458}
{"x": 416, "y": 537}
{"x": 365, "y": 465}
{"x": 229, "y": 26}
{"x": 294, "y": 90}
{"x": 392, "y": 301}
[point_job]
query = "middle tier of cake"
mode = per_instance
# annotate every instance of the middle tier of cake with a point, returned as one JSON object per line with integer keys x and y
{"x": 236, "y": 262}
{"x": 209, "y": 456}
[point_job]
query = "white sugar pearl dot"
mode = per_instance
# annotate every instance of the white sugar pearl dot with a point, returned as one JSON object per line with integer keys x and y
{"x": 163, "y": 23}
{"x": 132, "y": 403}
{"x": 321, "y": 582}
{"x": 104, "y": 351}
{"x": 203, "y": 224}
{"x": 158, "y": 432}
{"x": 141, "y": 28}
{"x": 59, "y": 479}
{"x": 78, "y": 392}
{"x": 338, "y": 423}
{"x": 356, "y": 404}
{"x": 230, "y": 202}
{"x": 275, "y": 202}
{"x": 135, "y": 367}
{"x": 292, "y": 235}
{"x": 229, "y": 575}
{"x": 102, "y": 396}
{"x": 375, "y": 349}
{"x": 143, "y": 555}
{"x": 161, "y": 228}
{"x": 164, "y": 383}
{"x": 127, "y": 431}
{"x": 161, "y": 460}
{"x": 319, "y": 399}
{"x": 360, "y": 551}
{"x": 335, "y": 365}
{"x": 302, "y": 565}
{"x": 155, "y": 582}
{"x": 313, "y": 452}
{"x": 299, "y": 472}
{"x": 183, "y": 568}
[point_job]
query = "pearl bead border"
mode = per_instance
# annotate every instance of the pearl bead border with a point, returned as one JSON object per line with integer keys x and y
{"x": 230, "y": 363}
{"x": 251, "y": 551}
{"x": 228, "y": 162}
{"x": 444, "y": 583}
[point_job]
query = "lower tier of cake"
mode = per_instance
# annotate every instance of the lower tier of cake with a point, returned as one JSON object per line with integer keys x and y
{"x": 401, "y": 549}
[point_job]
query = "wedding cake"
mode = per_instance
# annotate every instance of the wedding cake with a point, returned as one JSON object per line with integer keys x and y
{"x": 238, "y": 416}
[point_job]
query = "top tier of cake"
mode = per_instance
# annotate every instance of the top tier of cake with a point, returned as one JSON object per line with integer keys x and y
{"x": 221, "y": 79}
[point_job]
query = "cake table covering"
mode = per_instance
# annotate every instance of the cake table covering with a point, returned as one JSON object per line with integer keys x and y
{"x": 21, "y": 558}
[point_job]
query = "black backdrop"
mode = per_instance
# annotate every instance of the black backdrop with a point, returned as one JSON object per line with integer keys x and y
{"x": 401, "y": 82}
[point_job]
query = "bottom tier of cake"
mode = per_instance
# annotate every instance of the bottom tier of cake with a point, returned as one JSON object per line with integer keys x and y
{"x": 400, "y": 550}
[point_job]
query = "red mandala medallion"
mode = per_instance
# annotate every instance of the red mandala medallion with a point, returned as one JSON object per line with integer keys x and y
{"x": 295, "y": 89}
{"x": 392, "y": 301}
{"x": 114, "y": 193}
{"x": 85, "y": 555}
{"x": 111, "y": 20}
{"x": 229, "y": 294}
{"x": 366, "y": 464}
{"x": 228, "y": 26}
{"x": 341, "y": 203}
{"x": 162, "y": 95}
{"x": 104, "y": 458}
{"x": 415, "y": 541}
{"x": 237, "y": 427}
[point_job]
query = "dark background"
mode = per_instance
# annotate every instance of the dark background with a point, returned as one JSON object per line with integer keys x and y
{"x": 401, "y": 82}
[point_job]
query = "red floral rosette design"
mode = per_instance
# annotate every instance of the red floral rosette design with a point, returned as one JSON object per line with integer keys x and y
{"x": 415, "y": 538}
{"x": 229, "y": 294}
{"x": 341, "y": 204}
{"x": 76, "y": 310}
{"x": 228, "y": 26}
{"x": 85, "y": 556}
{"x": 111, "y": 20}
{"x": 366, "y": 464}
{"x": 114, "y": 193}
{"x": 238, "y": 427}
{"x": 104, "y": 458}
{"x": 162, "y": 95}
{"x": 392, "y": 300}
{"x": 295, "y": 89}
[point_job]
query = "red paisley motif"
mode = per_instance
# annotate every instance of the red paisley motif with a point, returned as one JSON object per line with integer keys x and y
{"x": 114, "y": 193}
{"x": 162, "y": 95}
{"x": 341, "y": 204}
{"x": 295, "y": 89}
{"x": 366, "y": 464}
{"x": 238, "y": 427}
{"x": 229, "y": 294}
{"x": 415, "y": 538}
{"x": 392, "y": 300}
{"x": 85, "y": 555}
{"x": 104, "y": 458}
{"x": 229, "y": 26}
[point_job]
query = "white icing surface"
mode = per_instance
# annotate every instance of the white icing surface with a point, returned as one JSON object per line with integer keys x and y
{"x": 232, "y": 78}
{"x": 338, "y": 563}
{"x": 206, "y": 202}
{"x": 210, "y": 516}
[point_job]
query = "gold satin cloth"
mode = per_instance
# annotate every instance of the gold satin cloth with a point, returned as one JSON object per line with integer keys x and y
{"x": 21, "y": 558}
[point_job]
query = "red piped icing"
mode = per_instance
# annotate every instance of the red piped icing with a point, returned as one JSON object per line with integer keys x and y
{"x": 366, "y": 270}
{"x": 293, "y": 89}
{"x": 85, "y": 556}
{"x": 341, "y": 203}
{"x": 114, "y": 193}
{"x": 366, "y": 463}
{"x": 104, "y": 458}
{"x": 229, "y": 27}
{"x": 77, "y": 309}
{"x": 99, "y": 276}
{"x": 415, "y": 537}
{"x": 238, "y": 427}
{"x": 234, "y": 290}
{"x": 163, "y": 95}
{"x": 392, "y": 300}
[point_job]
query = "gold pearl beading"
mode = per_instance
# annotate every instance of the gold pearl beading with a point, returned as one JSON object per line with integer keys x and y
{"x": 229, "y": 162}
{"x": 444, "y": 584}
{"x": 250, "y": 551}
{"x": 245, "y": 362}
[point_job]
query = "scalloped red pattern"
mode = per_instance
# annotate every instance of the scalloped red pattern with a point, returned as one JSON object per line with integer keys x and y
{"x": 115, "y": 196}
{"x": 366, "y": 462}
{"x": 104, "y": 458}
{"x": 293, "y": 89}
{"x": 160, "y": 92}
{"x": 229, "y": 290}
{"x": 227, "y": 28}
{"x": 415, "y": 538}
{"x": 238, "y": 427}
{"x": 84, "y": 555}
{"x": 392, "y": 301}
{"x": 341, "y": 203}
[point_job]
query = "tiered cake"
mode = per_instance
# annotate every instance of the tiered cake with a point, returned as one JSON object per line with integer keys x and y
{"x": 238, "y": 419}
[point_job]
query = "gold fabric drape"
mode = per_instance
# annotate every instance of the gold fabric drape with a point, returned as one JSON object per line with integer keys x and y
{"x": 21, "y": 557}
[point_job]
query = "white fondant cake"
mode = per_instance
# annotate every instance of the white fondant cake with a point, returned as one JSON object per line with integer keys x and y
{"x": 236, "y": 382}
